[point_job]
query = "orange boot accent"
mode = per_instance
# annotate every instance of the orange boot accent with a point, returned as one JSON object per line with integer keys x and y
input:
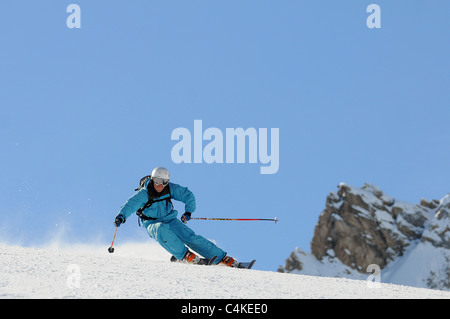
{"x": 190, "y": 257}
{"x": 229, "y": 261}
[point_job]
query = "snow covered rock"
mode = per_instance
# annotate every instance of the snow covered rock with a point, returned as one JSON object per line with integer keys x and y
{"x": 362, "y": 227}
{"x": 438, "y": 232}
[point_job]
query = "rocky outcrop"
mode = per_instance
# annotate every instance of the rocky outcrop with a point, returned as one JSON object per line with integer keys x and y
{"x": 364, "y": 226}
{"x": 438, "y": 232}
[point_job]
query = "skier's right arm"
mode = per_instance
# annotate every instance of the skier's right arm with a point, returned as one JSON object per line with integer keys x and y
{"x": 131, "y": 205}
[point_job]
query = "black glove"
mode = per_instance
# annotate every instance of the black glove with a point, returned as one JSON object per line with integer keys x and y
{"x": 120, "y": 219}
{"x": 186, "y": 216}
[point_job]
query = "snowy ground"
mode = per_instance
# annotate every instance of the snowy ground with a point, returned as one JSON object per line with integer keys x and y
{"x": 143, "y": 271}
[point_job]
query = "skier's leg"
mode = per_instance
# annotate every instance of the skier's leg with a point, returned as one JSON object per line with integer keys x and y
{"x": 167, "y": 239}
{"x": 198, "y": 243}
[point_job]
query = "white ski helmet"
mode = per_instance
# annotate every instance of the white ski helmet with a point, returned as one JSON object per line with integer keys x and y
{"x": 161, "y": 174}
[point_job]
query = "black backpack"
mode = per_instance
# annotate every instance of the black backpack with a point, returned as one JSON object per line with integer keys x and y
{"x": 152, "y": 195}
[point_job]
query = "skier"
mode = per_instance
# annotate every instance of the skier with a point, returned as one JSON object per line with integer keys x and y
{"x": 157, "y": 215}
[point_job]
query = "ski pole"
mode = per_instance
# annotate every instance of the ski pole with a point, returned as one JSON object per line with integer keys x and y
{"x": 238, "y": 219}
{"x": 111, "y": 249}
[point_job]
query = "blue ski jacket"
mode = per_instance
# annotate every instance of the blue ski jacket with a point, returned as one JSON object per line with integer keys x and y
{"x": 161, "y": 210}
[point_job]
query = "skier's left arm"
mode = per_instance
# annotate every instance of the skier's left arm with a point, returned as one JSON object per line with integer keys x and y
{"x": 183, "y": 194}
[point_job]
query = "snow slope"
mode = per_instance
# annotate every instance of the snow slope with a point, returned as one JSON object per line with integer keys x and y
{"x": 143, "y": 271}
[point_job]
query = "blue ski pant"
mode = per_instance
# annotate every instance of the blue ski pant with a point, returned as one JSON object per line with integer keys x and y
{"x": 176, "y": 237}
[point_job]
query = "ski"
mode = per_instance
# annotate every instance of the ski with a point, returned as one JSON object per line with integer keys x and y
{"x": 210, "y": 261}
{"x": 247, "y": 265}
{"x": 237, "y": 264}
{"x": 203, "y": 261}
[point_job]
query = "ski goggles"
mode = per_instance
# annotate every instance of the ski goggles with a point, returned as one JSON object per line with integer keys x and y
{"x": 160, "y": 181}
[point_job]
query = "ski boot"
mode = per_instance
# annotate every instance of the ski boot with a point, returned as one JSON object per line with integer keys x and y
{"x": 191, "y": 258}
{"x": 229, "y": 261}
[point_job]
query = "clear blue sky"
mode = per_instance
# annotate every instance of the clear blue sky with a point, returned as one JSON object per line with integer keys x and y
{"x": 84, "y": 113}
